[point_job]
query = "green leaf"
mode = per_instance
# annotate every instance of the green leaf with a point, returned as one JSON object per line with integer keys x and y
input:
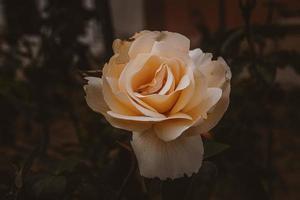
{"x": 212, "y": 148}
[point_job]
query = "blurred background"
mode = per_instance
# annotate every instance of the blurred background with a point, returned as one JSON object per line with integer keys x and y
{"x": 52, "y": 146}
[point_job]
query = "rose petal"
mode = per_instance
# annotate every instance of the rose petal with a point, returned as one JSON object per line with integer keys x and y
{"x": 211, "y": 99}
{"x": 176, "y": 68}
{"x": 95, "y": 100}
{"x": 216, "y": 72}
{"x": 121, "y": 49}
{"x": 145, "y": 111}
{"x": 111, "y": 73}
{"x": 169, "y": 82}
{"x": 177, "y": 40}
{"x": 142, "y": 71}
{"x": 186, "y": 93}
{"x": 112, "y": 69}
{"x": 217, "y": 113}
{"x": 199, "y": 91}
{"x": 125, "y": 84}
{"x": 171, "y": 129}
{"x": 156, "y": 158}
{"x": 199, "y": 58}
{"x": 157, "y": 82}
{"x": 94, "y": 96}
{"x": 183, "y": 83}
{"x": 161, "y": 103}
{"x": 145, "y": 118}
{"x": 134, "y": 118}
{"x": 167, "y": 50}
{"x": 143, "y": 43}
{"x": 138, "y": 126}
{"x": 171, "y": 45}
{"x": 121, "y": 96}
{"x": 114, "y": 103}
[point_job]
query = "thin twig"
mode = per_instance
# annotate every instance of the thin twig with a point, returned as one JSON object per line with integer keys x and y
{"x": 247, "y": 7}
{"x": 128, "y": 177}
{"x": 270, "y": 12}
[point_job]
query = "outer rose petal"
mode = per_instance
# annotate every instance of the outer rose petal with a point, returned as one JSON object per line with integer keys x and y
{"x": 200, "y": 90}
{"x": 171, "y": 129}
{"x": 121, "y": 49}
{"x": 174, "y": 159}
{"x": 148, "y": 119}
{"x": 143, "y": 43}
{"x": 128, "y": 125}
{"x": 111, "y": 74}
{"x": 216, "y": 72}
{"x": 94, "y": 96}
{"x": 177, "y": 40}
{"x": 205, "y": 125}
{"x": 212, "y": 98}
{"x": 199, "y": 58}
{"x": 95, "y": 100}
{"x": 217, "y": 112}
{"x": 167, "y": 50}
{"x": 113, "y": 102}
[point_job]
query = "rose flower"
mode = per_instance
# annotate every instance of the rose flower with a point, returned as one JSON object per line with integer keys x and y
{"x": 166, "y": 95}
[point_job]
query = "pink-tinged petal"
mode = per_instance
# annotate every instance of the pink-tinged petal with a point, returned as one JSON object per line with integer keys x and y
{"x": 94, "y": 96}
{"x": 174, "y": 159}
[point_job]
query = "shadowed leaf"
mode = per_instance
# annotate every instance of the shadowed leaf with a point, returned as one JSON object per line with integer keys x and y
{"x": 212, "y": 148}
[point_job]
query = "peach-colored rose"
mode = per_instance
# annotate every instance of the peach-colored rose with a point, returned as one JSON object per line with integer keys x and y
{"x": 166, "y": 95}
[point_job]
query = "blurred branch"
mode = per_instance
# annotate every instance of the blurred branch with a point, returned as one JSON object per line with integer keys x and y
{"x": 247, "y": 6}
{"x": 104, "y": 16}
{"x": 270, "y": 12}
{"x": 222, "y": 16}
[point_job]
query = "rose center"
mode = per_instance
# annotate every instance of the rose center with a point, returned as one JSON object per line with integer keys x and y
{"x": 156, "y": 84}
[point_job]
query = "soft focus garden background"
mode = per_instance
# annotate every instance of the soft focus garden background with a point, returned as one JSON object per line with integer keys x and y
{"x": 52, "y": 146}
